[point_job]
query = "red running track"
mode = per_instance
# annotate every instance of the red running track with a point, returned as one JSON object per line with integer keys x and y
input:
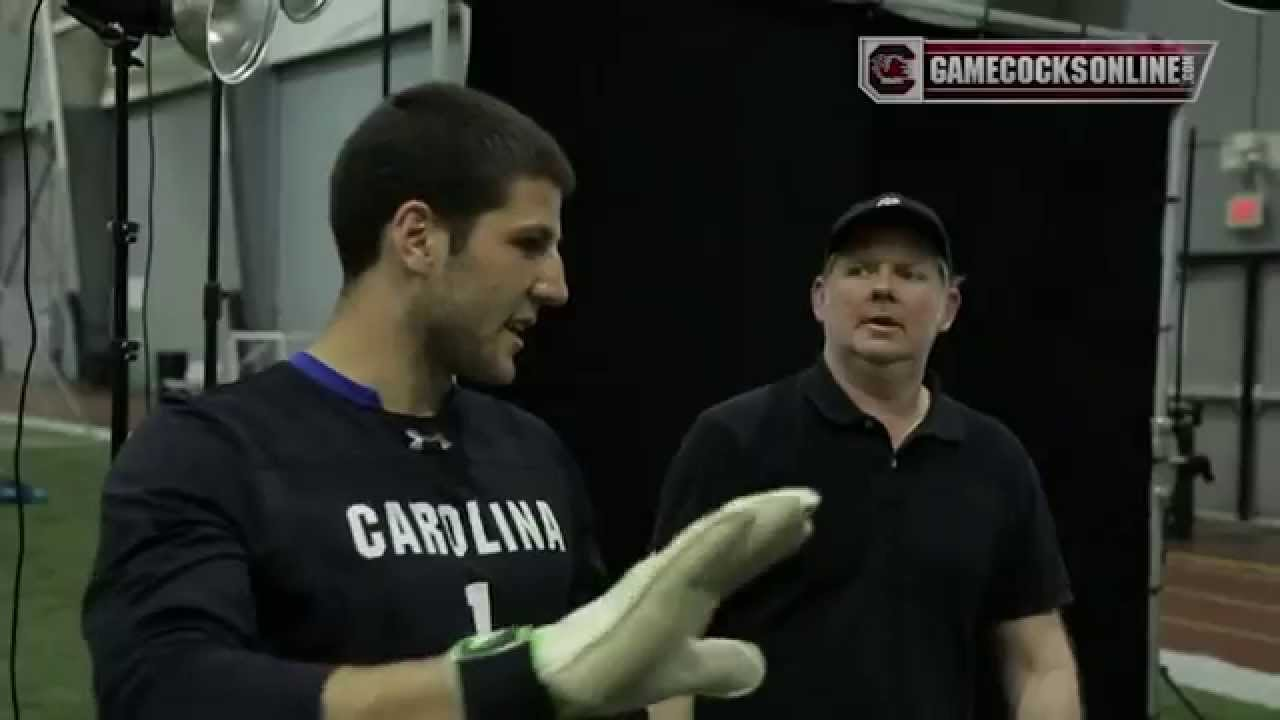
{"x": 1222, "y": 596}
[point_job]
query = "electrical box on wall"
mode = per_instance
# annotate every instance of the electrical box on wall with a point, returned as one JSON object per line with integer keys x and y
{"x": 1245, "y": 211}
{"x": 1245, "y": 150}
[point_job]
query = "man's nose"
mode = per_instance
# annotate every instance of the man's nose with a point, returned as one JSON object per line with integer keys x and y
{"x": 882, "y": 283}
{"x": 551, "y": 287}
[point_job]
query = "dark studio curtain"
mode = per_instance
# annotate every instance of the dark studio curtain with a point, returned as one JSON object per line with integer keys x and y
{"x": 716, "y": 142}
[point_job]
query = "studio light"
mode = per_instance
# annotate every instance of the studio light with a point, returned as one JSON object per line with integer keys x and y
{"x": 227, "y": 37}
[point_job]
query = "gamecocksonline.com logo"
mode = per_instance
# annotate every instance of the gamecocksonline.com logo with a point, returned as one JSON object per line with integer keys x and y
{"x": 898, "y": 69}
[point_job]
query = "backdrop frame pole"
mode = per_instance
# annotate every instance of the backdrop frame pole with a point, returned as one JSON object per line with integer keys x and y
{"x": 1166, "y": 455}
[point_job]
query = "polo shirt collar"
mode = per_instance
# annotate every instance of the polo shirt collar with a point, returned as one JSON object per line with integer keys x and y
{"x": 944, "y": 419}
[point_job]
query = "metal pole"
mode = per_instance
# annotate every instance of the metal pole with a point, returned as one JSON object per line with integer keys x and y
{"x": 386, "y": 48}
{"x": 1171, "y": 280}
{"x": 212, "y": 290}
{"x": 1248, "y": 380}
{"x": 1183, "y": 286}
{"x": 1164, "y": 449}
{"x": 124, "y": 233}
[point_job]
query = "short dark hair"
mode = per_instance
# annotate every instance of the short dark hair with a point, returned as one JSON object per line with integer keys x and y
{"x": 455, "y": 148}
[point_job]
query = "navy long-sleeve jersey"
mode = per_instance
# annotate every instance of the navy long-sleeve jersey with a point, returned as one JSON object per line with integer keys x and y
{"x": 261, "y": 534}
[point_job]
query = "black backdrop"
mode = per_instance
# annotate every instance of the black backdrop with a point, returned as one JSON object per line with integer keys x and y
{"x": 716, "y": 141}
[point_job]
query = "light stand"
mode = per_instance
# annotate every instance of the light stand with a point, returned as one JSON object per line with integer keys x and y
{"x": 229, "y": 37}
{"x": 124, "y": 232}
{"x": 386, "y": 48}
{"x": 298, "y": 11}
{"x": 212, "y": 290}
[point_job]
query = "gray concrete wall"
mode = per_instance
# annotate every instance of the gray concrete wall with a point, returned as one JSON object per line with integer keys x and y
{"x": 1242, "y": 93}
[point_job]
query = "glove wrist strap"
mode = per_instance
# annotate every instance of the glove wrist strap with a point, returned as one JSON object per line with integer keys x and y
{"x": 497, "y": 678}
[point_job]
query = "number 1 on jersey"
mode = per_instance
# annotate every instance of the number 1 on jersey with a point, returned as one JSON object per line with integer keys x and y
{"x": 481, "y": 611}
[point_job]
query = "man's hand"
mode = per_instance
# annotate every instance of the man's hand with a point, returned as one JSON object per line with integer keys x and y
{"x": 637, "y": 644}
{"x": 641, "y": 642}
{"x": 1039, "y": 669}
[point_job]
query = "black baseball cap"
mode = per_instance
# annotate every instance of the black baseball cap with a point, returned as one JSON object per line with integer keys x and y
{"x": 894, "y": 209}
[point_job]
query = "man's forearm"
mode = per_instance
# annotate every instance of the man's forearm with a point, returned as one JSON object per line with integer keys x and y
{"x": 419, "y": 689}
{"x": 1049, "y": 695}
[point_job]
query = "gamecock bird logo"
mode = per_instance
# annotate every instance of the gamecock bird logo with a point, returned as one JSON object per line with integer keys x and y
{"x": 892, "y": 69}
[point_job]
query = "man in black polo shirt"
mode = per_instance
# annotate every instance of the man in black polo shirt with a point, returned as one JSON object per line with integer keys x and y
{"x": 934, "y": 537}
{"x": 350, "y": 535}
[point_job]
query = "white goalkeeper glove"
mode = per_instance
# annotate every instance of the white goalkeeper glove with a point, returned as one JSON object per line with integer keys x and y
{"x": 641, "y": 642}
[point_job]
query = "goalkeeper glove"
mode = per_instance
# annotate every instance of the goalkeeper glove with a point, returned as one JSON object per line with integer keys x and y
{"x": 641, "y": 641}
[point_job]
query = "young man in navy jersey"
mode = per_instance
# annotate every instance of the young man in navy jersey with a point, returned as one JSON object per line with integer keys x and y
{"x": 350, "y": 535}
{"x": 935, "y": 541}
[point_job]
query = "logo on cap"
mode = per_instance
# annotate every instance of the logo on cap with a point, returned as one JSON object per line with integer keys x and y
{"x": 889, "y": 200}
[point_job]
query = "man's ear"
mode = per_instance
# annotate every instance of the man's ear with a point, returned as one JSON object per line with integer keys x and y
{"x": 416, "y": 236}
{"x": 950, "y": 307}
{"x": 818, "y": 295}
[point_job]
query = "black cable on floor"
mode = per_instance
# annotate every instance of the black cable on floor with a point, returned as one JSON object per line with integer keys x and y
{"x": 18, "y": 499}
